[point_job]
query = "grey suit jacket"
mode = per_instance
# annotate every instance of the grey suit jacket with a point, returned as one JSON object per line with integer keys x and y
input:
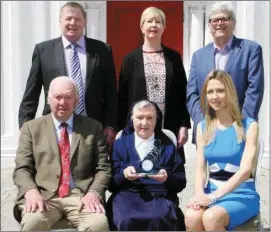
{"x": 38, "y": 160}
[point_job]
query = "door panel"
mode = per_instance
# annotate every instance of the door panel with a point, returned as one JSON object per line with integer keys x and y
{"x": 123, "y": 26}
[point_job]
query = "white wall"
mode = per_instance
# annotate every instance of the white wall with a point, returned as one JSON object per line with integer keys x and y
{"x": 23, "y": 24}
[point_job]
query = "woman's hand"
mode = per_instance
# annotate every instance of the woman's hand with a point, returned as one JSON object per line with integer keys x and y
{"x": 198, "y": 201}
{"x": 160, "y": 177}
{"x": 130, "y": 173}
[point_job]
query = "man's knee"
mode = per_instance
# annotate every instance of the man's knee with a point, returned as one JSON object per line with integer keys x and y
{"x": 35, "y": 222}
{"x": 94, "y": 222}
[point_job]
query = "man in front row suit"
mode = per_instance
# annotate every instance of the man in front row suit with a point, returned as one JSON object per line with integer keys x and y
{"x": 62, "y": 168}
{"x": 241, "y": 58}
{"x": 87, "y": 61}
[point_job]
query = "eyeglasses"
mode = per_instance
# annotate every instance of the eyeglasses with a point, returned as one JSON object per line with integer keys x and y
{"x": 215, "y": 21}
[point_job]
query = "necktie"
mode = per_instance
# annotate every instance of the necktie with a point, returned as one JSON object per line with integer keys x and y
{"x": 77, "y": 77}
{"x": 64, "y": 148}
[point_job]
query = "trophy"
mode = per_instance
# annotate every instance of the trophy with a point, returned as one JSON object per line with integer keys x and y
{"x": 150, "y": 164}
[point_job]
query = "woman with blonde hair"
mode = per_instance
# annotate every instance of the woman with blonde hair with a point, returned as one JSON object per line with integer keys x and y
{"x": 156, "y": 73}
{"x": 227, "y": 148}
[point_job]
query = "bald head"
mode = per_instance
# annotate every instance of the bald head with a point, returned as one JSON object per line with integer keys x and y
{"x": 61, "y": 82}
{"x": 62, "y": 97}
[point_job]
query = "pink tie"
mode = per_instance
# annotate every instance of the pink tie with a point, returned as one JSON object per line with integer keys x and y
{"x": 64, "y": 148}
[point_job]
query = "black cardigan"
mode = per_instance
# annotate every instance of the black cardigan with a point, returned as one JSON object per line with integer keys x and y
{"x": 132, "y": 87}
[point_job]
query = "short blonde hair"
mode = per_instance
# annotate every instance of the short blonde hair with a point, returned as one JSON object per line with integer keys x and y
{"x": 155, "y": 11}
{"x": 232, "y": 102}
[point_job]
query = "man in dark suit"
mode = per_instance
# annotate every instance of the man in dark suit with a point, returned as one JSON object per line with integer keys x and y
{"x": 241, "y": 58}
{"x": 89, "y": 62}
{"x": 61, "y": 166}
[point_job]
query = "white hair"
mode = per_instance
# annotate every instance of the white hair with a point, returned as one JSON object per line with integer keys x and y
{"x": 140, "y": 105}
{"x": 224, "y": 7}
{"x": 64, "y": 79}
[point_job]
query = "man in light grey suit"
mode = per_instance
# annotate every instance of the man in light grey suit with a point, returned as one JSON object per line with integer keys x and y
{"x": 40, "y": 171}
{"x": 241, "y": 58}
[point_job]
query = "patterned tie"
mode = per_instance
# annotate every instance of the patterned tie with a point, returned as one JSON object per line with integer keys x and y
{"x": 77, "y": 77}
{"x": 64, "y": 148}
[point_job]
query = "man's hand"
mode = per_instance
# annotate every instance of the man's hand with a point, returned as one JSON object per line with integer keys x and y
{"x": 110, "y": 135}
{"x": 182, "y": 136}
{"x": 160, "y": 177}
{"x": 92, "y": 203}
{"x": 34, "y": 200}
{"x": 130, "y": 173}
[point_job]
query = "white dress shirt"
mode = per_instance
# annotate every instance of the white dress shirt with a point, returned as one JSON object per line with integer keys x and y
{"x": 143, "y": 146}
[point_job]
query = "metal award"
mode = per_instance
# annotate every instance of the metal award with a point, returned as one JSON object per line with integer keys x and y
{"x": 149, "y": 164}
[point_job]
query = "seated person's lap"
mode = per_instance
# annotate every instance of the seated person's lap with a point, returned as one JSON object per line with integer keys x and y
{"x": 64, "y": 208}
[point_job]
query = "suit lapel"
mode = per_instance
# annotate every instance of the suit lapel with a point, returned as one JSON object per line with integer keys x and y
{"x": 50, "y": 133}
{"x": 59, "y": 57}
{"x": 210, "y": 58}
{"x": 233, "y": 53}
{"x": 91, "y": 56}
{"x": 76, "y": 135}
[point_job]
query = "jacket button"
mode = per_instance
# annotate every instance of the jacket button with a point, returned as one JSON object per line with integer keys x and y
{"x": 53, "y": 190}
{"x": 57, "y": 176}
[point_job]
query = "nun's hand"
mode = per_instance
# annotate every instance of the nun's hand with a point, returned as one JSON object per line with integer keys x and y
{"x": 130, "y": 173}
{"x": 161, "y": 176}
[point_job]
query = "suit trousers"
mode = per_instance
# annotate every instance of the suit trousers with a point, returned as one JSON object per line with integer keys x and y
{"x": 66, "y": 207}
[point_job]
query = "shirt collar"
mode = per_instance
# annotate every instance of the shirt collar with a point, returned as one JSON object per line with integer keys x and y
{"x": 228, "y": 45}
{"x": 58, "y": 122}
{"x": 81, "y": 42}
{"x": 139, "y": 140}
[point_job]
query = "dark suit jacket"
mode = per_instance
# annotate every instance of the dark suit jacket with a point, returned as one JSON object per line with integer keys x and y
{"x": 245, "y": 66}
{"x": 48, "y": 62}
{"x": 38, "y": 160}
{"x": 132, "y": 87}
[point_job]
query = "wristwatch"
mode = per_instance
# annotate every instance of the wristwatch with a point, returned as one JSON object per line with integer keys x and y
{"x": 212, "y": 198}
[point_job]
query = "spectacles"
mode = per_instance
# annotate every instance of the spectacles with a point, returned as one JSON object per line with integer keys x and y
{"x": 222, "y": 20}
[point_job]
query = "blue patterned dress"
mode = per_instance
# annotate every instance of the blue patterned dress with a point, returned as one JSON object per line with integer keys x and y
{"x": 224, "y": 155}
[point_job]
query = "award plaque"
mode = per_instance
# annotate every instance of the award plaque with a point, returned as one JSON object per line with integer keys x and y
{"x": 147, "y": 165}
{"x": 150, "y": 164}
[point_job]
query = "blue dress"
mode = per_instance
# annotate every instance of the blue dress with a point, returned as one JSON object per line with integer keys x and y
{"x": 224, "y": 155}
